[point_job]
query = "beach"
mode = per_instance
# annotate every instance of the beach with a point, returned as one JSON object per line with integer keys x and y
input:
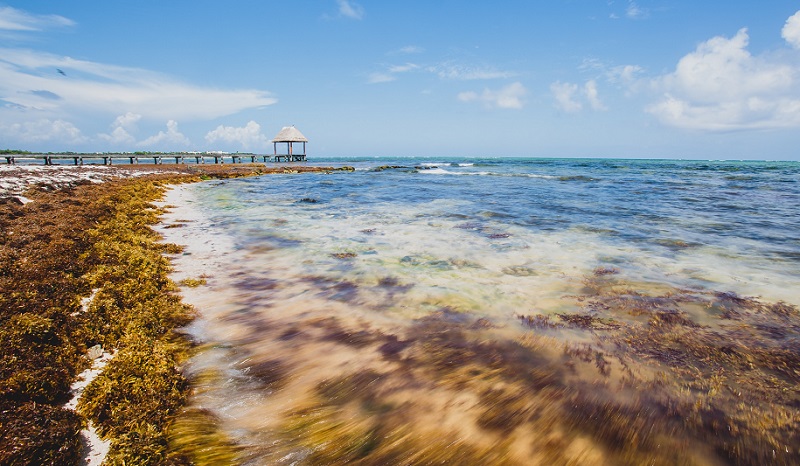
{"x": 91, "y": 357}
{"x": 478, "y": 311}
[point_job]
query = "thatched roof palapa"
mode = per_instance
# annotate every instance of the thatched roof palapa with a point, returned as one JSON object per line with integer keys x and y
{"x": 289, "y": 134}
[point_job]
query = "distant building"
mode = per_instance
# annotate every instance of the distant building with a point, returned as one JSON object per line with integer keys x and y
{"x": 289, "y": 135}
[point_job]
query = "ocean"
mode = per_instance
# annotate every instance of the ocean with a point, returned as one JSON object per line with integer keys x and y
{"x": 498, "y": 311}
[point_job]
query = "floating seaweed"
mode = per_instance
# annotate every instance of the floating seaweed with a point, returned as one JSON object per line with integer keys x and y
{"x": 539, "y": 322}
{"x": 588, "y": 322}
{"x": 344, "y": 255}
{"x": 600, "y": 271}
{"x": 192, "y": 282}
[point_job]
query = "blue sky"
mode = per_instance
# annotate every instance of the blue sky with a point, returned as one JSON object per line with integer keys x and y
{"x": 558, "y": 78}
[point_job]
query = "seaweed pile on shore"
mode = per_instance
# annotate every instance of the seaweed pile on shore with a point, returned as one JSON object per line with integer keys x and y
{"x": 65, "y": 243}
{"x": 56, "y": 250}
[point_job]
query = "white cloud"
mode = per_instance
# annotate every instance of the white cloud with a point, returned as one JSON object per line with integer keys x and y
{"x": 43, "y": 130}
{"x": 12, "y": 19}
{"x": 127, "y": 120}
{"x": 98, "y": 87}
{"x": 349, "y": 9}
{"x": 249, "y": 136}
{"x": 122, "y": 127}
{"x": 721, "y": 86}
{"x": 564, "y": 94}
{"x": 511, "y": 96}
{"x": 791, "y": 30}
{"x": 118, "y": 136}
{"x": 169, "y": 139}
{"x": 590, "y": 91}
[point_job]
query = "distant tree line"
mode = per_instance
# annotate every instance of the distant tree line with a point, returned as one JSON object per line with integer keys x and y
{"x": 13, "y": 152}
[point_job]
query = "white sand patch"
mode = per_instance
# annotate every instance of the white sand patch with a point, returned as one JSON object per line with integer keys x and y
{"x": 95, "y": 448}
{"x": 15, "y": 179}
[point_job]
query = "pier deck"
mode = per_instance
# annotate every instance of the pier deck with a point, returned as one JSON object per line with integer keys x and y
{"x": 158, "y": 159}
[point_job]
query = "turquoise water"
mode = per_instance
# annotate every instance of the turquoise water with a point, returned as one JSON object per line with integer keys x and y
{"x": 326, "y": 276}
{"x": 742, "y": 218}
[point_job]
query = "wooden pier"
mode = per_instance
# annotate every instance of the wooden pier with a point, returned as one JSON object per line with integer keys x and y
{"x": 158, "y": 159}
{"x": 289, "y": 158}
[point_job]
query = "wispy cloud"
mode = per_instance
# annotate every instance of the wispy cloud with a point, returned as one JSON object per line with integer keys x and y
{"x": 634, "y": 11}
{"x": 508, "y": 97}
{"x": 30, "y": 80}
{"x": 449, "y": 70}
{"x": 249, "y": 137}
{"x": 12, "y": 19}
{"x": 624, "y": 74}
{"x": 722, "y": 87}
{"x": 391, "y": 73}
{"x": 410, "y": 49}
{"x": 350, "y": 9}
{"x": 377, "y": 78}
{"x": 403, "y": 68}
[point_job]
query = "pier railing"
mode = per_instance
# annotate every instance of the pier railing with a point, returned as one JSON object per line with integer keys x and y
{"x": 158, "y": 159}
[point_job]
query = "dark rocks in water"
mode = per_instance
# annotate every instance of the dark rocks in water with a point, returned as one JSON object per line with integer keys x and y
{"x": 389, "y": 167}
{"x": 308, "y": 200}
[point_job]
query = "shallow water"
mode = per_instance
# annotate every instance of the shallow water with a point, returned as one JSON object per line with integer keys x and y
{"x": 498, "y": 311}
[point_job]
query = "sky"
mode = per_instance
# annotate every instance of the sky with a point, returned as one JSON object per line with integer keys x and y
{"x": 559, "y": 78}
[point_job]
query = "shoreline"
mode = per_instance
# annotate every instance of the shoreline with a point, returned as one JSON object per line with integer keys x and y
{"x": 625, "y": 375}
{"x": 53, "y": 221}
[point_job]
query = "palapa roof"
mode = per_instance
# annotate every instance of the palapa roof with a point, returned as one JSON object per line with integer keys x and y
{"x": 289, "y": 134}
